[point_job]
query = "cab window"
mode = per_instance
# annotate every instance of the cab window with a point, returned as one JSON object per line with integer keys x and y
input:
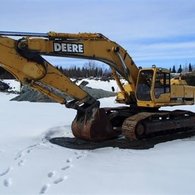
{"x": 162, "y": 84}
{"x": 144, "y": 85}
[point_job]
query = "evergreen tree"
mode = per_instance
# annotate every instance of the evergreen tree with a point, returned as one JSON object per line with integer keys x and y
{"x": 180, "y": 69}
{"x": 61, "y": 69}
{"x": 190, "y": 67}
{"x": 173, "y": 69}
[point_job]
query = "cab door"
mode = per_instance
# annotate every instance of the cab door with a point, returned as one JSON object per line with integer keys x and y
{"x": 161, "y": 91}
{"x": 144, "y": 85}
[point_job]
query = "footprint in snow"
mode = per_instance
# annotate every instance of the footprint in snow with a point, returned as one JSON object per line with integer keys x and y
{"x": 69, "y": 160}
{"x": 29, "y": 151}
{"x": 6, "y": 171}
{"x": 7, "y": 182}
{"x": 51, "y": 174}
{"x": 26, "y": 151}
{"x": 44, "y": 188}
{"x": 78, "y": 157}
{"x": 61, "y": 179}
{"x": 65, "y": 168}
{"x": 21, "y": 163}
{"x": 19, "y": 155}
{"x": 80, "y": 154}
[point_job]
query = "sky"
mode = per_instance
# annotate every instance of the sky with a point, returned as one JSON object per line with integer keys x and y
{"x": 160, "y": 32}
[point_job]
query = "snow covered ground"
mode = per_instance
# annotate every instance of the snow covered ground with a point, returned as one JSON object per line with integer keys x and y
{"x": 98, "y": 84}
{"x": 14, "y": 85}
{"x": 29, "y": 164}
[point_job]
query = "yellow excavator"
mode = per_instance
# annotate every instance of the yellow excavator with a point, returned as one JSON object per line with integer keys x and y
{"x": 147, "y": 89}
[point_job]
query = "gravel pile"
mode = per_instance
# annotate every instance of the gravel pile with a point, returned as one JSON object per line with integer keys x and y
{"x": 28, "y": 94}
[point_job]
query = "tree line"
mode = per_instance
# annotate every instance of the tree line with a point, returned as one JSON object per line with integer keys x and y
{"x": 91, "y": 70}
{"x": 85, "y": 72}
{"x": 186, "y": 68}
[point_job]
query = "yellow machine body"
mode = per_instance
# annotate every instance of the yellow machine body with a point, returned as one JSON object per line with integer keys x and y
{"x": 147, "y": 88}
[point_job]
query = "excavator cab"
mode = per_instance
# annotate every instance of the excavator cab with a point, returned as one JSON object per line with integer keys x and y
{"x": 153, "y": 87}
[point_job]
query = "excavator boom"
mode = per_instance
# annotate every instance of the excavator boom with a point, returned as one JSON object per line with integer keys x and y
{"x": 83, "y": 45}
{"x": 23, "y": 58}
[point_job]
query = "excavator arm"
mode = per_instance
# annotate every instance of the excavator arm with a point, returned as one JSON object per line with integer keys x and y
{"x": 30, "y": 68}
{"x": 23, "y": 58}
{"x": 27, "y": 64}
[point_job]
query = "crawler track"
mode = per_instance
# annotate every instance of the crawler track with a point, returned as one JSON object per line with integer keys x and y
{"x": 145, "y": 124}
{"x": 141, "y": 131}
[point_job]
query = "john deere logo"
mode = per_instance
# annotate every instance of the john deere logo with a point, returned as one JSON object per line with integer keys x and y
{"x": 68, "y": 47}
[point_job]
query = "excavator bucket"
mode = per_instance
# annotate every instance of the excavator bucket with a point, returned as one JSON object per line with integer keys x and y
{"x": 93, "y": 125}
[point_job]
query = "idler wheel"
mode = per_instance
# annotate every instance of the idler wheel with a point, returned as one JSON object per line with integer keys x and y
{"x": 140, "y": 130}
